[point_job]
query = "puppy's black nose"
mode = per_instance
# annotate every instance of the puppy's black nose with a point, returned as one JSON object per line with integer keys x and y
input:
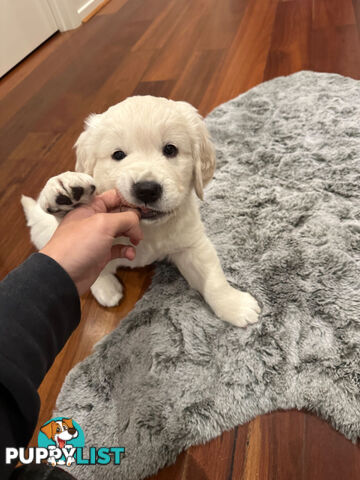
{"x": 147, "y": 192}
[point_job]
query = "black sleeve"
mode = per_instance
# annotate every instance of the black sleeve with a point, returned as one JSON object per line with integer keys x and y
{"x": 39, "y": 309}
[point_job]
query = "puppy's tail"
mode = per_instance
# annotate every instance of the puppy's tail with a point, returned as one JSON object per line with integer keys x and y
{"x": 28, "y": 204}
{"x": 42, "y": 225}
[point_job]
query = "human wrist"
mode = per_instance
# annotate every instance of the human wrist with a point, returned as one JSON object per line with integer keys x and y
{"x": 61, "y": 261}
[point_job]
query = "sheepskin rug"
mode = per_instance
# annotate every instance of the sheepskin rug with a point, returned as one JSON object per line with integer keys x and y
{"x": 284, "y": 213}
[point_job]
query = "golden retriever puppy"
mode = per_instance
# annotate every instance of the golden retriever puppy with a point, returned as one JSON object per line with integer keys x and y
{"x": 157, "y": 153}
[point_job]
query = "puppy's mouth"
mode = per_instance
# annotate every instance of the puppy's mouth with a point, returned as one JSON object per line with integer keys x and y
{"x": 150, "y": 214}
{"x": 61, "y": 443}
{"x": 146, "y": 213}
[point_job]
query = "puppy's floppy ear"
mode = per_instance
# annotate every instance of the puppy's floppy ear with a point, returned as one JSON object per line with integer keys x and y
{"x": 47, "y": 429}
{"x": 68, "y": 422}
{"x": 85, "y": 158}
{"x": 205, "y": 159}
{"x": 203, "y": 148}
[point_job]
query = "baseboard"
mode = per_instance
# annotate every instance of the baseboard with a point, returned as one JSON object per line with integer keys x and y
{"x": 67, "y": 15}
{"x": 90, "y": 8}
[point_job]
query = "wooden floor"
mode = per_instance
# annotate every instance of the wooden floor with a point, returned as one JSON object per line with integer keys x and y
{"x": 204, "y": 52}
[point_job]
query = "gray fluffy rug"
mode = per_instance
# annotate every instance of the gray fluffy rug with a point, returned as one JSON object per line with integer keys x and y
{"x": 284, "y": 213}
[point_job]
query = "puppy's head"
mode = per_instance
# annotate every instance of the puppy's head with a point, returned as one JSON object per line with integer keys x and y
{"x": 153, "y": 150}
{"x": 63, "y": 429}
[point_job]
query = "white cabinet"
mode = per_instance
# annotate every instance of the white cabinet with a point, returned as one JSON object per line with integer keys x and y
{"x": 24, "y": 25}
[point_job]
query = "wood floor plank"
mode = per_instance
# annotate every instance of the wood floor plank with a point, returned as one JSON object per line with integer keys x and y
{"x": 356, "y": 7}
{"x": 327, "y": 13}
{"x": 221, "y": 21}
{"x": 336, "y": 49}
{"x": 90, "y": 78}
{"x": 159, "y": 89}
{"x": 199, "y": 463}
{"x": 289, "y": 47}
{"x": 275, "y": 448}
{"x": 86, "y": 44}
{"x": 175, "y": 471}
{"x": 239, "y": 452}
{"x": 192, "y": 83}
{"x": 215, "y": 462}
{"x": 328, "y": 454}
{"x": 67, "y": 51}
{"x": 172, "y": 58}
{"x": 16, "y": 125}
{"x": 17, "y": 75}
{"x": 246, "y": 59}
{"x": 112, "y": 7}
{"x": 163, "y": 27}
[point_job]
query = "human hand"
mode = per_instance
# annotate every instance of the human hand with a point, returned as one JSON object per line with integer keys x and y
{"x": 83, "y": 242}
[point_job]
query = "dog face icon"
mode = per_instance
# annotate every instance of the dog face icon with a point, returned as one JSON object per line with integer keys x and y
{"x": 60, "y": 431}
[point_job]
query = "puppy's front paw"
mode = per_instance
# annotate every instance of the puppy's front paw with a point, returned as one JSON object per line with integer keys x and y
{"x": 107, "y": 290}
{"x": 65, "y": 192}
{"x": 238, "y": 308}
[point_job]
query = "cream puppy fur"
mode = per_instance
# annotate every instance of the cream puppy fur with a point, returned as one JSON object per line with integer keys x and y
{"x": 158, "y": 154}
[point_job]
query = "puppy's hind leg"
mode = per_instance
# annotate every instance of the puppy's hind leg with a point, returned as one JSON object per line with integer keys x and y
{"x": 107, "y": 289}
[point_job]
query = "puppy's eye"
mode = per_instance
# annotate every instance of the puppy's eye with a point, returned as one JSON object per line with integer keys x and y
{"x": 57, "y": 429}
{"x": 170, "y": 150}
{"x": 118, "y": 155}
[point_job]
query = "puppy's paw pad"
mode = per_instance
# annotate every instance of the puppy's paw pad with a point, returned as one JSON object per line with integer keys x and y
{"x": 66, "y": 192}
{"x": 63, "y": 200}
{"x": 77, "y": 192}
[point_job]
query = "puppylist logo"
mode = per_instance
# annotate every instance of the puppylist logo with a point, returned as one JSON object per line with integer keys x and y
{"x": 61, "y": 441}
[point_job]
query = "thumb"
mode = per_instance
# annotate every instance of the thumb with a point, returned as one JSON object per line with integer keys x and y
{"x": 123, "y": 251}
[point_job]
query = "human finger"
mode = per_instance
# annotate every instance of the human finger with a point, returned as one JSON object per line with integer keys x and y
{"x": 123, "y": 251}
{"x": 107, "y": 201}
{"x": 123, "y": 224}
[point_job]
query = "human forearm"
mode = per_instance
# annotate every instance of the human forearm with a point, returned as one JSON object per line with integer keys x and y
{"x": 39, "y": 309}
